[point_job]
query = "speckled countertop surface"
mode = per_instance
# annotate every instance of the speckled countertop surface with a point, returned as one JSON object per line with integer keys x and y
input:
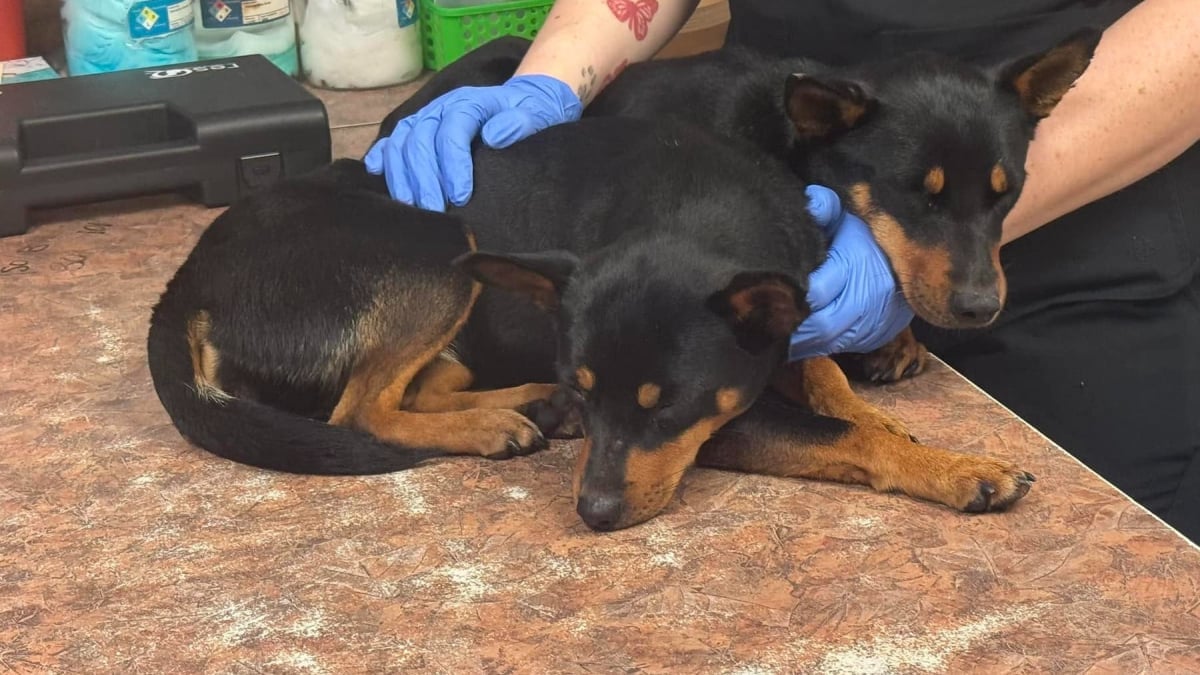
{"x": 123, "y": 549}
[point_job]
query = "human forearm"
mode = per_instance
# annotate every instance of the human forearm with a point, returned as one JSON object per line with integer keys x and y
{"x": 585, "y": 43}
{"x": 1135, "y": 109}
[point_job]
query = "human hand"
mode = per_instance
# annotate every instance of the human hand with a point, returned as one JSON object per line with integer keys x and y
{"x": 427, "y": 158}
{"x": 856, "y": 305}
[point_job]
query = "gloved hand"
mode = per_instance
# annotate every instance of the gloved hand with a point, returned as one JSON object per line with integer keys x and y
{"x": 857, "y": 307}
{"x": 427, "y": 158}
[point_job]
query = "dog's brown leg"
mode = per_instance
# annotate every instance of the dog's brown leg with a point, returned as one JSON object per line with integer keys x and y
{"x": 376, "y": 389}
{"x": 820, "y": 385}
{"x": 847, "y": 441}
{"x": 442, "y": 386}
{"x": 902, "y": 357}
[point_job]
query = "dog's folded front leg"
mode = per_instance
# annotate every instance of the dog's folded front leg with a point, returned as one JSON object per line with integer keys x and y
{"x": 443, "y": 386}
{"x": 372, "y": 401}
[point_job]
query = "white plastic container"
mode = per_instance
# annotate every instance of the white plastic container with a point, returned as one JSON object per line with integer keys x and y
{"x": 102, "y": 36}
{"x": 226, "y": 28}
{"x": 359, "y": 45}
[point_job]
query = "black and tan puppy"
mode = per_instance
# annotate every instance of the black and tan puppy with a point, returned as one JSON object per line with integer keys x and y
{"x": 649, "y": 273}
{"x": 928, "y": 150}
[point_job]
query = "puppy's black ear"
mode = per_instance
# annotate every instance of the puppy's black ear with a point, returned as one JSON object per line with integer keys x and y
{"x": 540, "y": 276}
{"x": 1041, "y": 80}
{"x": 761, "y": 307}
{"x": 823, "y": 109}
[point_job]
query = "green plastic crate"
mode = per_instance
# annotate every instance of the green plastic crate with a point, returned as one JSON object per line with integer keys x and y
{"x": 448, "y": 33}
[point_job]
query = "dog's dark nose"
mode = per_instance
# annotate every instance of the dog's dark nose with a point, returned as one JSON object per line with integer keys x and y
{"x": 975, "y": 305}
{"x": 599, "y": 512}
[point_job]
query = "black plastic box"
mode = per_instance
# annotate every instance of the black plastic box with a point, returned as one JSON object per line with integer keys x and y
{"x": 216, "y": 129}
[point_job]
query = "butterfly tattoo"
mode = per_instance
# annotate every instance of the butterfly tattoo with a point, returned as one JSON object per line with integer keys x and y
{"x": 636, "y": 13}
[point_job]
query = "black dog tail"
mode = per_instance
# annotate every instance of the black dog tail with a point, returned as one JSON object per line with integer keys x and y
{"x": 252, "y": 433}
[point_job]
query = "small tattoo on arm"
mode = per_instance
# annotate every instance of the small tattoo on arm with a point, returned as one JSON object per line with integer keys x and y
{"x": 585, "y": 90}
{"x": 637, "y": 14}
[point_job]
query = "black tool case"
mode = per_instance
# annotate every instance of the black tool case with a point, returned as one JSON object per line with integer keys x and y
{"x": 215, "y": 129}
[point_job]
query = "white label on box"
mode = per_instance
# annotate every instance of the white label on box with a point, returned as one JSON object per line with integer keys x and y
{"x": 179, "y": 14}
{"x": 261, "y": 11}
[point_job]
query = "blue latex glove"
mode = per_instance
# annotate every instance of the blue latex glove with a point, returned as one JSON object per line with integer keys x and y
{"x": 427, "y": 159}
{"x": 856, "y": 305}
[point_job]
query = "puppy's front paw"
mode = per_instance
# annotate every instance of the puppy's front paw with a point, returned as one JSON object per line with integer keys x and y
{"x": 501, "y": 434}
{"x": 979, "y": 485}
{"x": 901, "y": 358}
{"x": 557, "y": 417}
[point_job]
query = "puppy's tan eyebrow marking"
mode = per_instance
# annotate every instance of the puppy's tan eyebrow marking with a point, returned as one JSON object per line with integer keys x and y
{"x": 585, "y": 378}
{"x": 648, "y": 394}
{"x": 935, "y": 180}
{"x": 728, "y": 399}
{"x": 999, "y": 179}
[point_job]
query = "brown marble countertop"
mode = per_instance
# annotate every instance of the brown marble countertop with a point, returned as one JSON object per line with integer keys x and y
{"x": 124, "y": 549}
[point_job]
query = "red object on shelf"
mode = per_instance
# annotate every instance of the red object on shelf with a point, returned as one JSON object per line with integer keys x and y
{"x": 12, "y": 30}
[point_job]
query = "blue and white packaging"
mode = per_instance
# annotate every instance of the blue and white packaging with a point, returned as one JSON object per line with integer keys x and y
{"x": 227, "y": 28}
{"x": 102, "y": 36}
